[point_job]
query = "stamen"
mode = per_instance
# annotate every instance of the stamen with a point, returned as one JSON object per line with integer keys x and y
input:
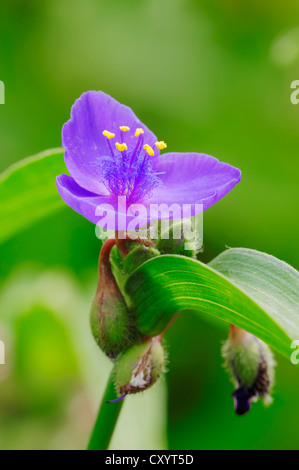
{"x": 149, "y": 150}
{"x": 118, "y": 399}
{"x": 161, "y": 145}
{"x": 129, "y": 172}
{"x": 121, "y": 147}
{"x": 108, "y": 134}
{"x": 137, "y": 148}
{"x": 138, "y": 132}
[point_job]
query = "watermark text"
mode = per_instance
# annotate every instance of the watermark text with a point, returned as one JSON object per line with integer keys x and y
{"x": 295, "y": 94}
{"x": 2, "y": 93}
{"x": 154, "y": 221}
{"x": 295, "y": 354}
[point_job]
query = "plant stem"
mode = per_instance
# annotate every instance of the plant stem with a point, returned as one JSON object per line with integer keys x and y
{"x": 107, "y": 418}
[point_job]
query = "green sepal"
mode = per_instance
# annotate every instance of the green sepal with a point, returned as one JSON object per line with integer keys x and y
{"x": 139, "y": 367}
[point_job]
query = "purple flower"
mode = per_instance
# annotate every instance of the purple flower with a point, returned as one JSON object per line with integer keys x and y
{"x": 110, "y": 153}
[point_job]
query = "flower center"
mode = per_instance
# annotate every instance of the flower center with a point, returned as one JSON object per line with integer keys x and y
{"x": 129, "y": 171}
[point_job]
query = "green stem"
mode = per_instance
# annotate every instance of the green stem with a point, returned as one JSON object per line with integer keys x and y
{"x": 107, "y": 418}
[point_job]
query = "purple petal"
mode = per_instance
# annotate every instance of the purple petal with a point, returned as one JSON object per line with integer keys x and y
{"x": 242, "y": 398}
{"x": 193, "y": 178}
{"x": 187, "y": 179}
{"x": 84, "y": 142}
{"x": 86, "y": 203}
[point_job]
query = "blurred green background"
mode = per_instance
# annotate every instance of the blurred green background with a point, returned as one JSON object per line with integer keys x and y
{"x": 210, "y": 76}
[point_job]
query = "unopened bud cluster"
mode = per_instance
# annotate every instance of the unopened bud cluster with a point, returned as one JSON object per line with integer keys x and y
{"x": 139, "y": 361}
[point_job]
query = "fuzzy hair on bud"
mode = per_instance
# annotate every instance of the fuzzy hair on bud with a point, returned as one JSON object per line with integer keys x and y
{"x": 140, "y": 366}
{"x": 110, "y": 317}
{"x": 250, "y": 365}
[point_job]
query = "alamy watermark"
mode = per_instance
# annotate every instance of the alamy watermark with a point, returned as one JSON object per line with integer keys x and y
{"x": 2, "y": 353}
{"x": 152, "y": 221}
{"x": 295, "y": 354}
{"x": 2, "y": 93}
{"x": 295, "y": 93}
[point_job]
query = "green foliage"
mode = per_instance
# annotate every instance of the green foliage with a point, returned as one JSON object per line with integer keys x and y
{"x": 28, "y": 191}
{"x": 271, "y": 283}
{"x": 169, "y": 284}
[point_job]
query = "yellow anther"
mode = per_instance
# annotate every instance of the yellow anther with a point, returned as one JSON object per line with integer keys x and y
{"x": 121, "y": 147}
{"x": 124, "y": 128}
{"x": 138, "y": 132}
{"x": 108, "y": 134}
{"x": 161, "y": 145}
{"x": 149, "y": 150}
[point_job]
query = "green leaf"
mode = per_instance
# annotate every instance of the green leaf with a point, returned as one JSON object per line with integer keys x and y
{"x": 249, "y": 289}
{"x": 271, "y": 283}
{"x": 28, "y": 191}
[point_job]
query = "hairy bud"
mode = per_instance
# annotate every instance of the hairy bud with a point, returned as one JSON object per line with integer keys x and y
{"x": 137, "y": 256}
{"x": 139, "y": 367}
{"x": 250, "y": 364}
{"x": 109, "y": 317}
{"x": 177, "y": 238}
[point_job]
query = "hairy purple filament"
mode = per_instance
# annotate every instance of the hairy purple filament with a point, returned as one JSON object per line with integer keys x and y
{"x": 118, "y": 399}
{"x": 128, "y": 173}
{"x": 137, "y": 148}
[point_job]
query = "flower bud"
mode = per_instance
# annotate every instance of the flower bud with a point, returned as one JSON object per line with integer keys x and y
{"x": 137, "y": 256}
{"x": 110, "y": 317}
{"x": 178, "y": 239}
{"x": 139, "y": 367}
{"x": 250, "y": 364}
{"x": 136, "y": 253}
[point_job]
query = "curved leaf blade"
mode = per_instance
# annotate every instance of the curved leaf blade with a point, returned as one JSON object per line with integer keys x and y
{"x": 28, "y": 191}
{"x": 169, "y": 284}
{"x": 272, "y": 283}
